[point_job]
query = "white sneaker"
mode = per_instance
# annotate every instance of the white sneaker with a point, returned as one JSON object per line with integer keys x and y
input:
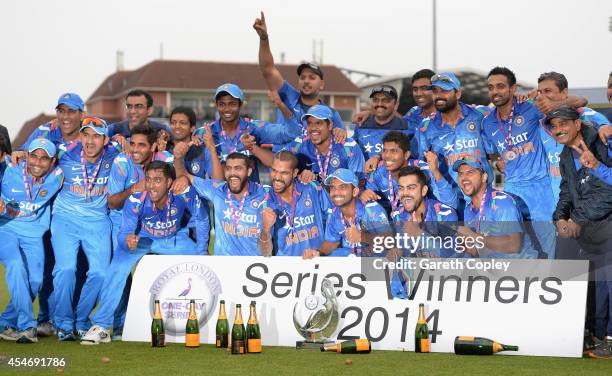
{"x": 95, "y": 335}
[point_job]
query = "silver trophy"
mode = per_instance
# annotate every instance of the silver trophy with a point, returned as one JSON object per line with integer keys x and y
{"x": 316, "y": 317}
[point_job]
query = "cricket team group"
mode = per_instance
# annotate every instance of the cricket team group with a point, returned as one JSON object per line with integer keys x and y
{"x": 116, "y": 192}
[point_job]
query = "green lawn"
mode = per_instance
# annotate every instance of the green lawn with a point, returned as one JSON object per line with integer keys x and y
{"x": 129, "y": 358}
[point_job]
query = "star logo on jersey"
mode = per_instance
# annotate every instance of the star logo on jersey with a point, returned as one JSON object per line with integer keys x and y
{"x": 335, "y": 162}
{"x": 449, "y": 148}
{"x": 227, "y": 214}
{"x": 195, "y": 167}
{"x": 77, "y": 180}
{"x": 520, "y": 120}
{"x": 501, "y": 145}
{"x": 368, "y": 147}
{"x": 307, "y": 203}
{"x": 471, "y": 126}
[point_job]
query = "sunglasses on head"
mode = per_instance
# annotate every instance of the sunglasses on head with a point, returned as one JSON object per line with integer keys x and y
{"x": 95, "y": 122}
{"x": 442, "y": 78}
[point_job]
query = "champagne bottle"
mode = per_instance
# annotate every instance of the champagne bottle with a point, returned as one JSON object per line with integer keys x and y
{"x": 238, "y": 334}
{"x": 354, "y": 346}
{"x": 479, "y": 346}
{"x": 192, "y": 329}
{"x": 421, "y": 332}
{"x": 253, "y": 334}
{"x": 158, "y": 336}
{"x": 222, "y": 331}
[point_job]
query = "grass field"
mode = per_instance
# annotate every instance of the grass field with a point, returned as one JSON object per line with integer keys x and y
{"x": 129, "y": 358}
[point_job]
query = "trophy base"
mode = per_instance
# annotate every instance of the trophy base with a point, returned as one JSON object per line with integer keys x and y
{"x": 307, "y": 345}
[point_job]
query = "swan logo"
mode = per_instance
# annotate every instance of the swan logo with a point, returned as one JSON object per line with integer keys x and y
{"x": 179, "y": 284}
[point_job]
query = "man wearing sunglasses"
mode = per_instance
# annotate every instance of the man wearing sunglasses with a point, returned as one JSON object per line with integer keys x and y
{"x": 81, "y": 206}
{"x": 453, "y": 131}
{"x": 27, "y": 189}
{"x": 309, "y": 87}
{"x": 139, "y": 107}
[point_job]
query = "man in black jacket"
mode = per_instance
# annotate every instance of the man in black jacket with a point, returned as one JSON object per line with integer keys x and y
{"x": 584, "y": 211}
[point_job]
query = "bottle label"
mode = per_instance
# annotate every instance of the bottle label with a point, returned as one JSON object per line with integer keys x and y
{"x": 465, "y": 338}
{"x": 237, "y": 347}
{"x": 424, "y": 345}
{"x": 362, "y": 345}
{"x": 192, "y": 340}
{"x": 158, "y": 340}
{"x": 254, "y": 345}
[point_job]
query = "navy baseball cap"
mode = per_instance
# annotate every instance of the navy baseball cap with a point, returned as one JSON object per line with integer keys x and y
{"x": 43, "y": 143}
{"x": 388, "y": 90}
{"x": 470, "y": 161}
{"x": 98, "y": 125}
{"x": 563, "y": 112}
{"x": 446, "y": 81}
{"x": 312, "y": 66}
{"x": 231, "y": 89}
{"x": 319, "y": 111}
{"x": 344, "y": 175}
{"x": 71, "y": 100}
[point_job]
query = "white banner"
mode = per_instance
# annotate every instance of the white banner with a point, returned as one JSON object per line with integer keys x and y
{"x": 542, "y": 315}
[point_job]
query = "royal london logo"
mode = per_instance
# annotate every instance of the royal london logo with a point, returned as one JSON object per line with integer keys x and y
{"x": 176, "y": 286}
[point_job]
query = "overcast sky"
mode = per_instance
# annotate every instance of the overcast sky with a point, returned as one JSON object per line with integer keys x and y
{"x": 52, "y": 46}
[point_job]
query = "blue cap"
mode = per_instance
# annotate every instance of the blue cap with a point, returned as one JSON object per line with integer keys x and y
{"x": 344, "y": 175}
{"x": 231, "y": 89}
{"x": 446, "y": 81}
{"x": 98, "y": 125}
{"x": 71, "y": 100}
{"x": 470, "y": 161}
{"x": 43, "y": 143}
{"x": 319, "y": 111}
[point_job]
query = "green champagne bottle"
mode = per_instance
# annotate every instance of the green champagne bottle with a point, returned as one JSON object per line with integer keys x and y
{"x": 238, "y": 334}
{"x": 479, "y": 346}
{"x": 355, "y": 346}
{"x": 421, "y": 332}
{"x": 192, "y": 329}
{"x": 252, "y": 332}
{"x": 222, "y": 330}
{"x": 158, "y": 336}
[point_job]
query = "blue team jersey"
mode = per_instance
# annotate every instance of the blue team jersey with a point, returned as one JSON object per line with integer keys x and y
{"x": 345, "y": 155}
{"x": 500, "y": 217}
{"x": 519, "y": 143}
{"x": 378, "y": 181}
{"x": 369, "y": 135}
{"x": 264, "y": 132}
{"x": 236, "y": 230}
{"x": 291, "y": 98}
{"x": 142, "y": 217}
{"x": 553, "y": 148}
{"x": 454, "y": 143}
{"x": 435, "y": 213}
{"x": 372, "y": 219}
{"x": 414, "y": 117}
{"x": 84, "y": 196}
{"x": 301, "y": 226}
{"x": 51, "y": 131}
{"x": 123, "y": 128}
{"x": 28, "y": 214}
{"x": 198, "y": 161}
{"x": 125, "y": 173}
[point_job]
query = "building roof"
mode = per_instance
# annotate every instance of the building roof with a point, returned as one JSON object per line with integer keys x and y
{"x": 595, "y": 95}
{"x": 177, "y": 75}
